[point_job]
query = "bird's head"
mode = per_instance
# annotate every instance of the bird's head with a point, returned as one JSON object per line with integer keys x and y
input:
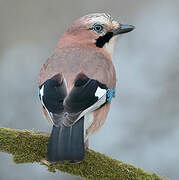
{"x": 97, "y": 30}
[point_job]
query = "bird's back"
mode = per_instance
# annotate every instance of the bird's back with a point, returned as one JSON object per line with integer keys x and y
{"x": 71, "y": 61}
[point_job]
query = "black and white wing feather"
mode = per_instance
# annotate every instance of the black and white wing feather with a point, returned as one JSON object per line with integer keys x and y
{"x": 52, "y": 94}
{"x": 86, "y": 96}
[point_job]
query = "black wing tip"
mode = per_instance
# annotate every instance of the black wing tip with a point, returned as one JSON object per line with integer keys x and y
{"x": 58, "y": 77}
{"x": 81, "y": 79}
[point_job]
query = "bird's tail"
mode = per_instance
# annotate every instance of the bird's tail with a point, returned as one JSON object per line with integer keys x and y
{"x": 67, "y": 143}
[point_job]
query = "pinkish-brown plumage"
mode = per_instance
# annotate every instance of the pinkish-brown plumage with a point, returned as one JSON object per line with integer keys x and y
{"x": 77, "y": 52}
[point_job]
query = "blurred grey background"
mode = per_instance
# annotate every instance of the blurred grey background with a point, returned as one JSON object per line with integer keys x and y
{"x": 143, "y": 125}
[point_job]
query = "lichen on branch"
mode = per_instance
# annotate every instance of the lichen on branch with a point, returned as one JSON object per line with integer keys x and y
{"x": 30, "y": 146}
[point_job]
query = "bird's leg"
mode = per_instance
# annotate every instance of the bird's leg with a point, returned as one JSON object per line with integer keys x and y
{"x": 86, "y": 144}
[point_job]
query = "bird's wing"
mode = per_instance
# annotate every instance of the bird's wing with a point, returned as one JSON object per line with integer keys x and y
{"x": 86, "y": 96}
{"x": 52, "y": 94}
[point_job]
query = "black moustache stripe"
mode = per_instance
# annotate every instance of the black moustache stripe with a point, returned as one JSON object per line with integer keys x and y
{"x": 100, "y": 42}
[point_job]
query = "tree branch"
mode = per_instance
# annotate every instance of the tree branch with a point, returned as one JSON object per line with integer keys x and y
{"x": 30, "y": 146}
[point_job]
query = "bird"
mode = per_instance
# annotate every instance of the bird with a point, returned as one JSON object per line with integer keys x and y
{"x": 77, "y": 84}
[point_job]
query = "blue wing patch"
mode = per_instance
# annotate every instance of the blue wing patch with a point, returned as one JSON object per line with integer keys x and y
{"x": 111, "y": 93}
{"x": 39, "y": 94}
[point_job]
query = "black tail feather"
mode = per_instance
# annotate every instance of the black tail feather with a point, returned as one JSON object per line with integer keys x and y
{"x": 67, "y": 143}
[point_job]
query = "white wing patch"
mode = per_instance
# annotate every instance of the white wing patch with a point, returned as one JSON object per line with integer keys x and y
{"x": 88, "y": 120}
{"x": 100, "y": 92}
{"x": 42, "y": 91}
{"x": 41, "y": 97}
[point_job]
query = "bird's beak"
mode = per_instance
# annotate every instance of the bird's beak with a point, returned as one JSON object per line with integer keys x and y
{"x": 124, "y": 28}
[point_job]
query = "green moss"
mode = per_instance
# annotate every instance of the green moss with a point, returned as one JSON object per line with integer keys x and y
{"x": 25, "y": 146}
{"x": 30, "y": 146}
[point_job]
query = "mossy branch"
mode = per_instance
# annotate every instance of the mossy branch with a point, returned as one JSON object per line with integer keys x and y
{"x": 30, "y": 146}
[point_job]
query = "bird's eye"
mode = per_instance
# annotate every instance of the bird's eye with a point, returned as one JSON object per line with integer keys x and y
{"x": 98, "y": 28}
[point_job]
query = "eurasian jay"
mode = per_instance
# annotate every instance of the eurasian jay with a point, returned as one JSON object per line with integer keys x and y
{"x": 77, "y": 82}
